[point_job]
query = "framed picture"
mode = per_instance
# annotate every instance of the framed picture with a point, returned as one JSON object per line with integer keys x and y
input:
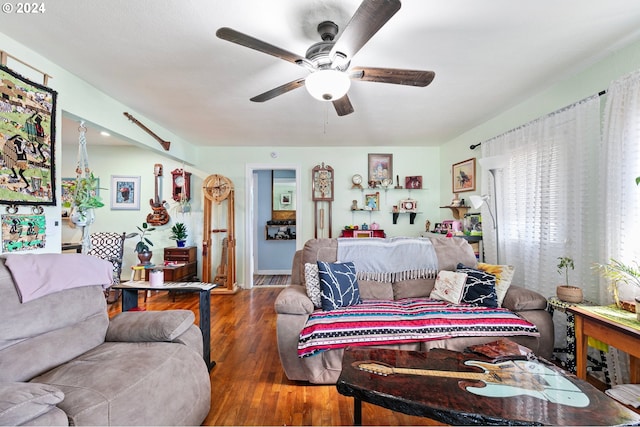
{"x": 362, "y": 233}
{"x": 372, "y": 202}
{"x": 285, "y": 198}
{"x": 66, "y": 198}
{"x": 380, "y": 167}
{"x": 464, "y": 176}
{"x": 27, "y": 126}
{"x": 125, "y": 192}
{"x": 413, "y": 182}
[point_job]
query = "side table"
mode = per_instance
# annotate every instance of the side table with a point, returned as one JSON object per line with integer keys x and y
{"x": 569, "y": 364}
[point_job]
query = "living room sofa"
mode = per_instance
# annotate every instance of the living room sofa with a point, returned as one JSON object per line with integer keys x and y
{"x": 294, "y": 306}
{"x": 64, "y": 362}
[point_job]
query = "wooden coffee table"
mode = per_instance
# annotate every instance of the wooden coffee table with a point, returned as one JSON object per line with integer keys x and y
{"x": 471, "y": 389}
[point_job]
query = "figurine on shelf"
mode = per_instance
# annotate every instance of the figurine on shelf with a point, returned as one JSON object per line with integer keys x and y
{"x": 427, "y": 225}
{"x": 354, "y": 205}
{"x": 455, "y": 202}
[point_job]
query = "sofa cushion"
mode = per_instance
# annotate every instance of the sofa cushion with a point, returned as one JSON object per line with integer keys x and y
{"x": 449, "y": 286}
{"x": 22, "y": 402}
{"x": 149, "y": 326}
{"x": 504, "y": 276}
{"x": 338, "y": 284}
{"x": 312, "y": 283}
{"x": 480, "y": 287}
{"x": 413, "y": 288}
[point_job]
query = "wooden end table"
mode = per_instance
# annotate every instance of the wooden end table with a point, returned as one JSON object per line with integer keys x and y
{"x": 130, "y": 301}
{"x": 470, "y": 389}
{"x": 599, "y": 322}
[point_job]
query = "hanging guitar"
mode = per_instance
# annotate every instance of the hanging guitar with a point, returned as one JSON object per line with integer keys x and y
{"x": 160, "y": 216}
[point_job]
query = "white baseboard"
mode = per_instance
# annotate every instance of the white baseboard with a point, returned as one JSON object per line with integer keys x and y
{"x": 273, "y": 272}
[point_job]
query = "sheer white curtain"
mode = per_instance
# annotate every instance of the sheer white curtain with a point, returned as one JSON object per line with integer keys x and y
{"x": 547, "y": 197}
{"x": 621, "y": 163}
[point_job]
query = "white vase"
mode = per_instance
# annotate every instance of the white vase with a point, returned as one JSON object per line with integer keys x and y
{"x": 82, "y": 217}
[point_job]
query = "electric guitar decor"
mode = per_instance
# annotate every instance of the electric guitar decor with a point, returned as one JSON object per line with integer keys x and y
{"x": 160, "y": 216}
{"x": 504, "y": 379}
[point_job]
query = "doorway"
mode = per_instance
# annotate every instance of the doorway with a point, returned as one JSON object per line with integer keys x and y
{"x": 256, "y": 230}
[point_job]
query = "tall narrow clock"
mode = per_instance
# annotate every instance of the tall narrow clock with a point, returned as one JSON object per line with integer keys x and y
{"x": 322, "y": 194}
{"x": 181, "y": 185}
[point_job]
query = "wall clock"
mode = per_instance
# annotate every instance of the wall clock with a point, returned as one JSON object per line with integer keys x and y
{"x": 217, "y": 187}
{"x": 181, "y": 185}
{"x": 322, "y": 179}
{"x": 408, "y": 205}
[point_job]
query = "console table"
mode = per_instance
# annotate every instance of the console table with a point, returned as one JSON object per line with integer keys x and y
{"x": 598, "y": 322}
{"x": 186, "y": 268}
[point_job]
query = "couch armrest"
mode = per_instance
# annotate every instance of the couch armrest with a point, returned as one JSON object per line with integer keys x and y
{"x": 21, "y": 402}
{"x": 520, "y": 299}
{"x": 293, "y": 300}
{"x": 146, "y": 326}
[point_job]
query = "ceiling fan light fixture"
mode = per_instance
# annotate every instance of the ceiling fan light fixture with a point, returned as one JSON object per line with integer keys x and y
{"x": 328, "y": 85}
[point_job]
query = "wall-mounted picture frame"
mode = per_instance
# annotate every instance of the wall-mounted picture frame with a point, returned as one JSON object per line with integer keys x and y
{"x": 413, "y": 182}
{"x": 66, "y": 197}
{"x": 463, "y": 176}
{"x": 125, "y": 192}
{"x": 372, "y": 201}
{"x": 380, "y": 167}
{"x": 27, "y": 124}
{"x": 285, "y": 199}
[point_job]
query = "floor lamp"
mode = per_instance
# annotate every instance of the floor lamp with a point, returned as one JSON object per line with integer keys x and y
{"x": 478, "y": 201}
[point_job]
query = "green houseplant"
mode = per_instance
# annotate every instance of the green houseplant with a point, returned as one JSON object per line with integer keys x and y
{"x": 84, "y": 198}
{"x": 566, "y": 292}
{"x": 179, "y": 233}
{"x": 142, "y": 247}
{"x": 616, "y": 273}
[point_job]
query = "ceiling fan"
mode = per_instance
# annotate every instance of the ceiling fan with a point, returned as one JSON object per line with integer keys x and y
{"x": 328, "y": 61}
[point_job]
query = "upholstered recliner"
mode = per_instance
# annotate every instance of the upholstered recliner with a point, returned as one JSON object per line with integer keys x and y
{"x": 64, "y": 362}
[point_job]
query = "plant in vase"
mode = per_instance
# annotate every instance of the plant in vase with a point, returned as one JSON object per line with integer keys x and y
{"x": 142, "y": 247}
{"x": 84, "y": 198}
{"x": 618, "y": 273}
{"x": 566, "y": 292}
{"x": 179, "y": 234}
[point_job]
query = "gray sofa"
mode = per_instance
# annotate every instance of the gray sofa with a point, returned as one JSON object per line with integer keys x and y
{"x": 63, "y": 362}
{"x": 293, "y": 308}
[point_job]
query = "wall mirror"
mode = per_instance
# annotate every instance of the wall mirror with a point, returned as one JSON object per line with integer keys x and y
{"x": 283, "y": 195}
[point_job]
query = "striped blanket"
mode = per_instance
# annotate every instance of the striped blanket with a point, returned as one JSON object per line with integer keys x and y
{"x": 383, "y": 322}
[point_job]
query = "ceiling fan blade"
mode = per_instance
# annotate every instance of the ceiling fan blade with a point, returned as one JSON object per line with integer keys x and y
{"x": 343, "y": 106}
{"x": 233, "y": 36}
{"x": 396, "y": 76}
{"x": 280, "y": 90}
{"x": 368, "y": 19}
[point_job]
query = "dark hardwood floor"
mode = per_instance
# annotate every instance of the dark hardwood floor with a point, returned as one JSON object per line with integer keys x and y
{"x": 248, "y": 385}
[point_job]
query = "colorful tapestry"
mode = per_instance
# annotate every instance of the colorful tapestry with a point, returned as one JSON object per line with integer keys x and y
{"x": 382, "y": 322}
{"x": 27, "y": 135}
{"x": 23, "y": 232}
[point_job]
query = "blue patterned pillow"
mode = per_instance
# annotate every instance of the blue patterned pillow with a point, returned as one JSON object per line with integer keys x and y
{"x": 480, "y": 288}
{"x": 338, "y": 285}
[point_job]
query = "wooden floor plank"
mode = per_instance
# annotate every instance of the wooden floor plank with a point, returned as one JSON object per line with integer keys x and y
{"x": 248, "y": 385}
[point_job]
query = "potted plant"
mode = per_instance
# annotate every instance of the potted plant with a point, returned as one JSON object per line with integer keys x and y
{"x": 84, "y": 198}
{"x": 142, "y": 247}
{"x": 179, "y": 234}
{"x": 617, "y": 272}
{"x": 566, "y": 292}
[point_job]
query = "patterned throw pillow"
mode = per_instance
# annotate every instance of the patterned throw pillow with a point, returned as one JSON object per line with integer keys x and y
{"x": 338, "y": 285}
{"x": 480, "y": 287}
{"x": 504, "y": 276}
{"x": 449, "y": 286}
{"x": 312, "y": 282}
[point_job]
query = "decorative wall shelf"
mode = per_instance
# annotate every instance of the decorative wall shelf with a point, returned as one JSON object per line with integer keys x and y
{"x": 457, "y": 211}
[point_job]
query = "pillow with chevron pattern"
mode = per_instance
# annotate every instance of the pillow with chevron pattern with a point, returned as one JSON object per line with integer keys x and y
{"x": 312, "y": 283}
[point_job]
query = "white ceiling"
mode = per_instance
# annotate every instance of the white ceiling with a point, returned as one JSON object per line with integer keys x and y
{"x": 162, "y": 58}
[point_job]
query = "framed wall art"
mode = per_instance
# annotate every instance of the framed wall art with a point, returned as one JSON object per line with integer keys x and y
{"x": 413, "y": 182}
{"x": 464, "y": 176}
{"x": 380, "y": 167}
{"x": 27, "y": 129}
{"x": 125, "y": 192}
{"x": 372, "y": 202}
{"x": 23, "y": 232}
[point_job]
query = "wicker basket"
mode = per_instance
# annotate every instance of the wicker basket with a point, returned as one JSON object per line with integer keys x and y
{"x": 569, "y": 293}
